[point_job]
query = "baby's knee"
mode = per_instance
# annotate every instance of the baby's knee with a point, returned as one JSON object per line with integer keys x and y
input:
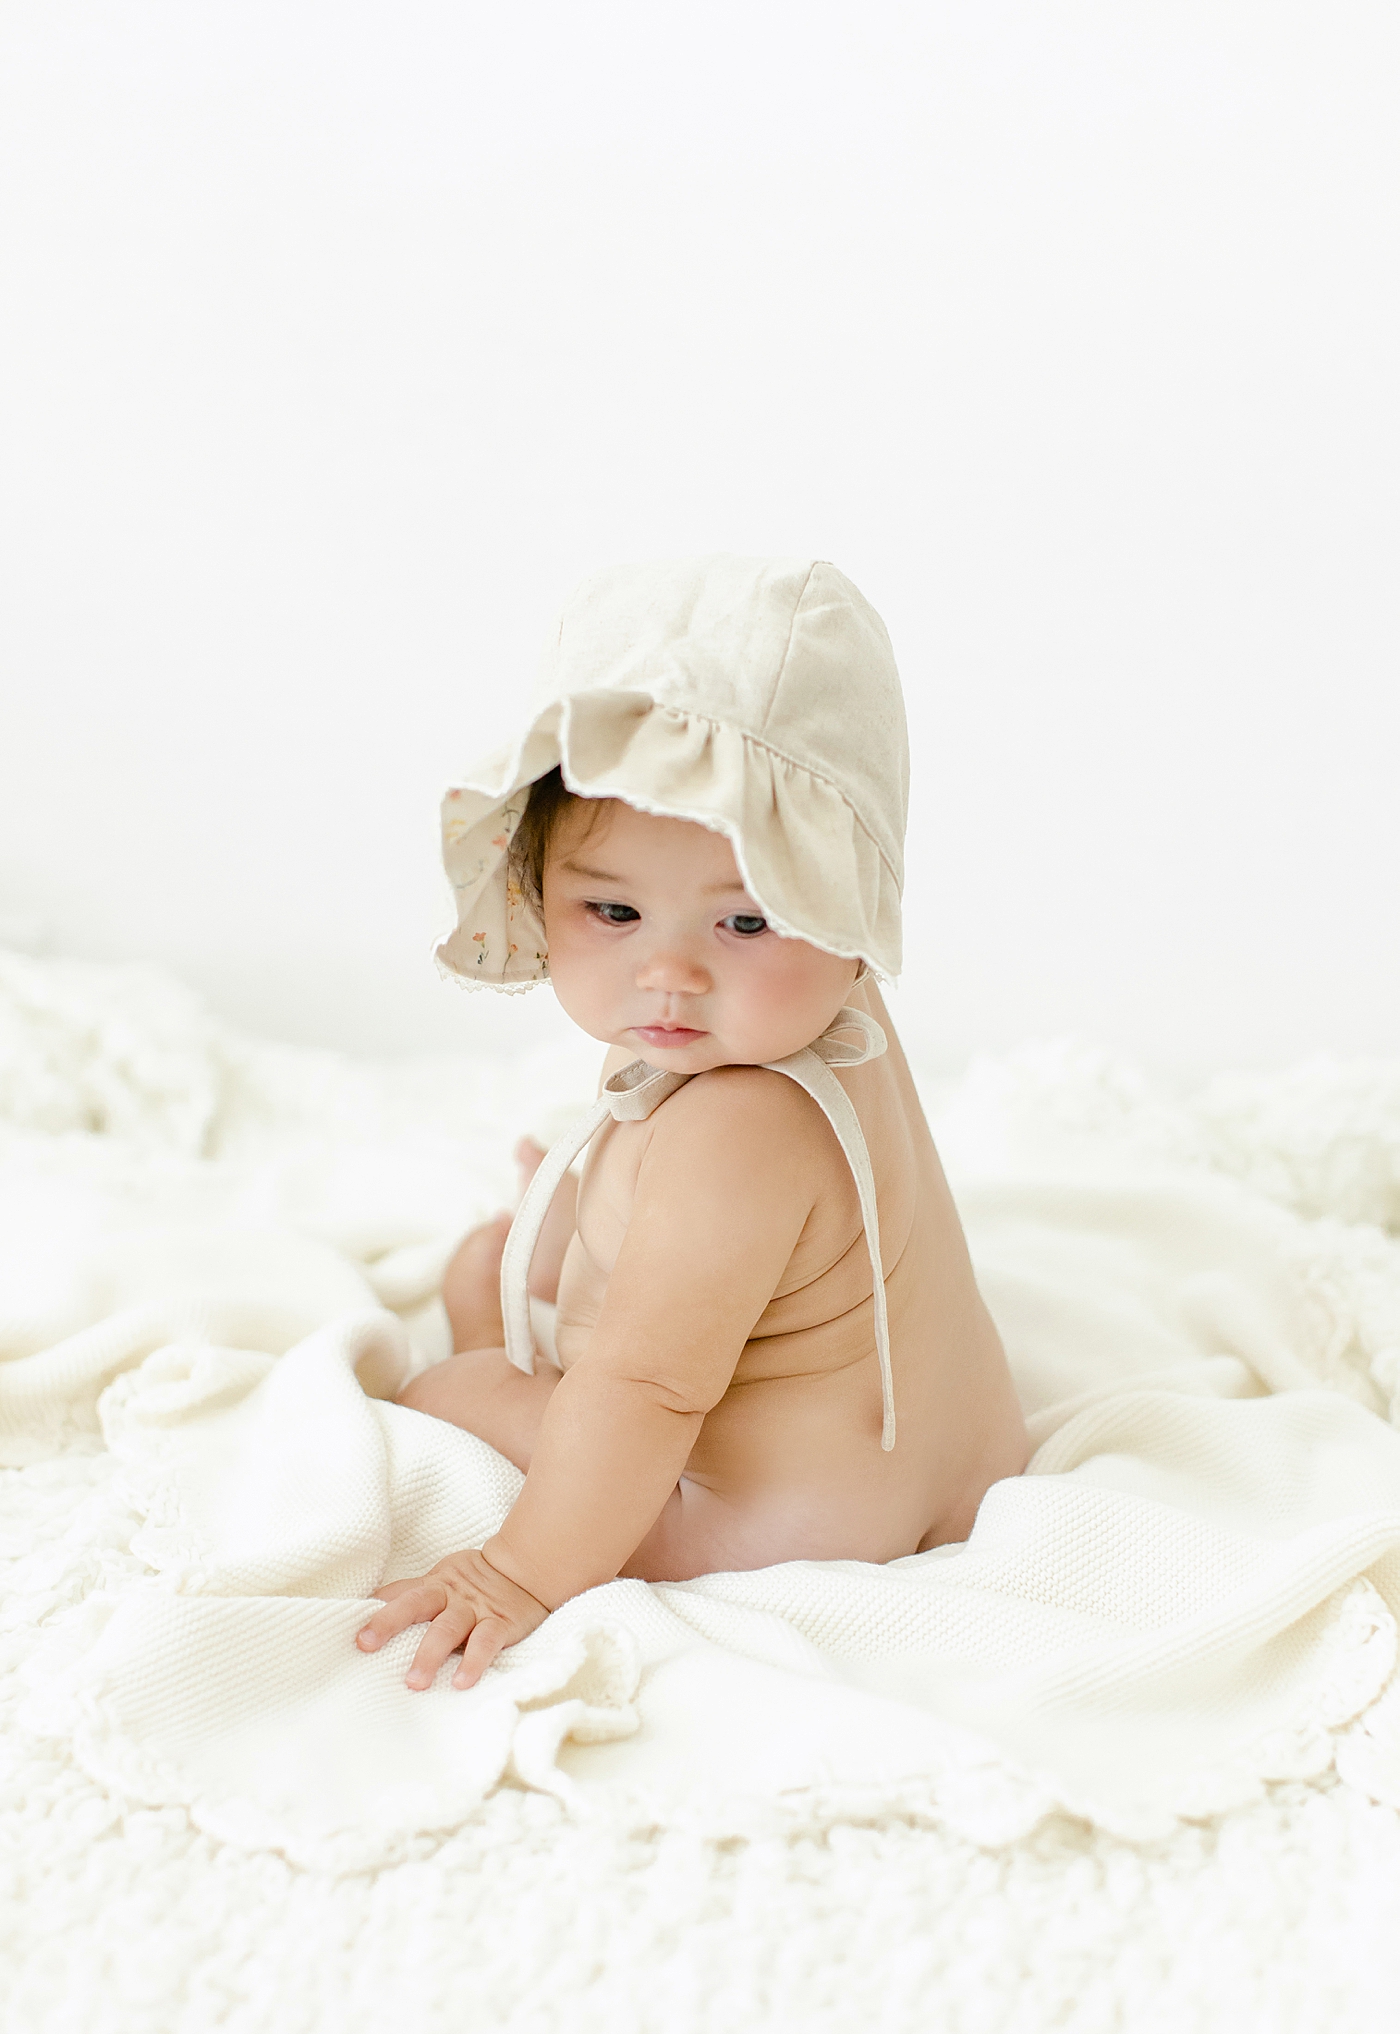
{"x": 421, "y": 1391}
{"x": 451, "y": 1390}
{"x": 482, "y": 1392}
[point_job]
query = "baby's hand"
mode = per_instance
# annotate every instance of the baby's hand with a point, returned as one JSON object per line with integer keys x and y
{"x": 462, "y": 1598}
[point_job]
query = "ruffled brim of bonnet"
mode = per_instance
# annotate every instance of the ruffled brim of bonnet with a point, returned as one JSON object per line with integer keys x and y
{"x": 818, "y": 837}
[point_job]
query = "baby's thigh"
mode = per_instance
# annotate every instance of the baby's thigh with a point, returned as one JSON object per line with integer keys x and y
{"x": 480, "y": 1391}
{"x": 700, "y": 1532}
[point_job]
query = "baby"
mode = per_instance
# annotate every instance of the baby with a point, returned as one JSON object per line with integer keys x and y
{"x": 699, "y": 840}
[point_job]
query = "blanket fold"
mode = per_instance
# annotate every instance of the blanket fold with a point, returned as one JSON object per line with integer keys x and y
{"x": 1192, "y": 1592}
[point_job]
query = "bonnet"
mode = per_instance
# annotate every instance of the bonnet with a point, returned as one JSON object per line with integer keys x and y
{"x": 756, "y": 696}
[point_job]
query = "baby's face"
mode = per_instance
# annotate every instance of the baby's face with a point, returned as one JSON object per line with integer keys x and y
{"x": 655, "y": 944}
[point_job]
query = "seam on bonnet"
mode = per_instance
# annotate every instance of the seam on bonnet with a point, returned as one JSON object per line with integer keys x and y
{"x": 787, "y": 646}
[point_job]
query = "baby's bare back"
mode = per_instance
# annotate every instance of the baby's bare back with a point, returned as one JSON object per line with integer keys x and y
{"x": 788, "y": 1463}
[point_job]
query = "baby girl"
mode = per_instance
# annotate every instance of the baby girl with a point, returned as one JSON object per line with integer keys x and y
{"x": 756, "y": 1335}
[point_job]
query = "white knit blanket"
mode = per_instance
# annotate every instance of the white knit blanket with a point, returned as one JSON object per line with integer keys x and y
{"x": 215, "y": 1256}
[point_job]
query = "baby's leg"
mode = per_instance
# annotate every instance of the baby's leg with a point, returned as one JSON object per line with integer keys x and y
{"x": 477, "y": 1388}
{"x": 471, "y": 1285}
{"x": 704, "y": 1531}
{"x": 701, "y": 1533}
{"x": 481, "y": 1391}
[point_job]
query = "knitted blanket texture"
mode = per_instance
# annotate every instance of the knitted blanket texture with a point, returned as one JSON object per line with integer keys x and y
{"x": 1165, "y": 1662}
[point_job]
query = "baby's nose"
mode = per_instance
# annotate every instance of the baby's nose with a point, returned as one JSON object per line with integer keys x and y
{"x": 671, "y": 970}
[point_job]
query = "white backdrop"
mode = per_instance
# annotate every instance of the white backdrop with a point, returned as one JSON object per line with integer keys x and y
{"x": 340, "y": 338}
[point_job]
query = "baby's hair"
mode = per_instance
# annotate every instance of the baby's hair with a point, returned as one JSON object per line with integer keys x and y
{"x": 550, "y": 799}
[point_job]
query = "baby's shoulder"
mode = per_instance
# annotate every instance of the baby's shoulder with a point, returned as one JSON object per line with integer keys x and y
{"x": 748, "y": 1153}
{"x": 736, "y": 1143}
{"x": 747, "y": 1110}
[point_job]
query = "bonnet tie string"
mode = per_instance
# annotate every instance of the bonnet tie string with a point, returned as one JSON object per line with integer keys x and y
{"x": 630, "y": 1096}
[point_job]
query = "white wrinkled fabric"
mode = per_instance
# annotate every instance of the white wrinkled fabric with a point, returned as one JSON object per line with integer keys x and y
{"x": 865, "y": 1895}
{"x": 1193, "y": 1593}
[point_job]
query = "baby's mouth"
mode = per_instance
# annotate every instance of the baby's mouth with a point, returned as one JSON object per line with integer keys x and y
{"x": 661, "y": 1037}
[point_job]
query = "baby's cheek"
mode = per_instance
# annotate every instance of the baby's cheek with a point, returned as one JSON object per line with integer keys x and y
{"x": 780, "y": 1011}
{"x": 584, "y": 984}
{"x": 802, "y": 990}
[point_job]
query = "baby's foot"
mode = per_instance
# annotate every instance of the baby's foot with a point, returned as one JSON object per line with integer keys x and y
{"x": 471, "y": 1287}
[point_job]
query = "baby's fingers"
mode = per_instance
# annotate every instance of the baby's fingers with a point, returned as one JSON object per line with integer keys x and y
{"x": 389, "y": 1590}
{"x": 440, "y": 1641}
{"x": 408, "y": 1603}
{"x": 489, "y": 1637}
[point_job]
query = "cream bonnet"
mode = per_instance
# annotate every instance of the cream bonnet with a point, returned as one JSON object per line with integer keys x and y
{"x": 757, "y": 696}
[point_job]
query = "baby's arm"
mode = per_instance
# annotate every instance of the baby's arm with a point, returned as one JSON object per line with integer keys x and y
{"x": 724, "y": 1188}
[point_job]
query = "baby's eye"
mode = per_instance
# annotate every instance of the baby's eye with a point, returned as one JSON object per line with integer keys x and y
{"x": 615, "y": 914}
{"x": 746, "y": 923}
